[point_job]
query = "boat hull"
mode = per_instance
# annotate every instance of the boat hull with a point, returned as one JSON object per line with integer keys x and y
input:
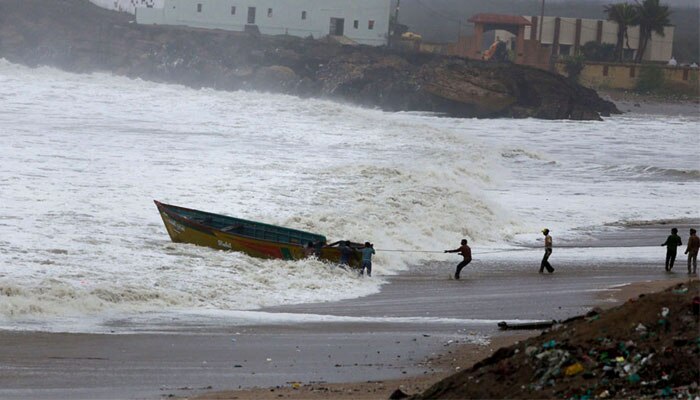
{"x": 184, "y": 230}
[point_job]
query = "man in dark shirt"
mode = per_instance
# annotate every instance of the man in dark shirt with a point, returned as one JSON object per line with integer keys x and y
{"x": 346, "y": 252}
{"x": 692, "y": 251}
{"x": 466, "y": 252}
{"x": 672, "y": 243}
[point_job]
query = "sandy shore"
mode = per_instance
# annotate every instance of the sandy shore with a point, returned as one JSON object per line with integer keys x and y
{"x": 421, "y": 327}
{"x": 445, "y": 364}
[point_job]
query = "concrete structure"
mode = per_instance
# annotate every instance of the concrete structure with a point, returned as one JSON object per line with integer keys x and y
{"x": 362, "y": 21}
{"x": 525, "y": 49}
{"x": 564, "y": 36}
{"x": 625, "y": 76}
{"x": 514, "y": 25}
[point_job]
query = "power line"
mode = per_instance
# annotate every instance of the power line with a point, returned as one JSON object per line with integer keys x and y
{"x": 438, "y": 13}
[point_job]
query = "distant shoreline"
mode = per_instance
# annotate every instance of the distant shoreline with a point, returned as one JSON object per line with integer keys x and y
{"x": 635, "y": 103}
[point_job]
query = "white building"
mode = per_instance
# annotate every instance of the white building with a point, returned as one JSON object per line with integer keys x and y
{"x": 570, "y": 33}
{"x": 127, "y": 5}
{"x": 362, "y": 21}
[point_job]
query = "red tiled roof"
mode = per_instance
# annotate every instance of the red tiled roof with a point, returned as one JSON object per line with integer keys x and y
{"x": 499, "y": 19}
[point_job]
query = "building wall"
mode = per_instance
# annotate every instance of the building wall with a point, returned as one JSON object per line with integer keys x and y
{"x": 274, "y": 17}
{"x": 659, "y": 48}
{"x": 589, "y": 28}
{"x": 625, "y": 76}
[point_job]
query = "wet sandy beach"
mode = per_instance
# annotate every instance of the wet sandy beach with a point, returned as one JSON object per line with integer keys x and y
{"x": 421, "y": 324}
{"x": 421, "y": 314}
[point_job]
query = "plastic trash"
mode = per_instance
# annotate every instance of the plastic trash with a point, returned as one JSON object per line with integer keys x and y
{"x": 530, "y": 350}
{"x": 573, "y": 369}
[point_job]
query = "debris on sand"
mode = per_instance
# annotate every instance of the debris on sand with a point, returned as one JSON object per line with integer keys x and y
{"x": 648, "y": 347}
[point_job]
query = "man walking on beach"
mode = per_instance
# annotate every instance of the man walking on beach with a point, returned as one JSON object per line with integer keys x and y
{"x": 672, "y": 243}
{"x": 367, "y": 252}
{"x": 692, "y": 251}
{"x": 466, "y": 252}
{"x": 547, "y": 252}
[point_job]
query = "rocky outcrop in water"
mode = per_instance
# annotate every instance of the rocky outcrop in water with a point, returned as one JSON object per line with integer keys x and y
{"x": 76, "y": 36}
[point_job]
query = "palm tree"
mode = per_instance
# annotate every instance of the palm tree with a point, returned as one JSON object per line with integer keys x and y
{"x": 625, "y": 16}
{"x": 653, "y": 17}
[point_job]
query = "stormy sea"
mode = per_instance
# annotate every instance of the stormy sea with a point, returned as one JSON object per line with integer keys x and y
{"x": 83, "y": 249}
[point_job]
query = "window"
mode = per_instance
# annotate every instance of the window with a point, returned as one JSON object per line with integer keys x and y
{"x": 356, "y": 24}
{"x": 233, "y": 10}
{"x": 269, "y": 12}
{"x": 199, "y": 7}
{"x": 303, "y": 15}
{"x": 370, "y": 24}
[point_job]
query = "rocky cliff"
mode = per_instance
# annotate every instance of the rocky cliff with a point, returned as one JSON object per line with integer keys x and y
{"x": 77, "y": 36}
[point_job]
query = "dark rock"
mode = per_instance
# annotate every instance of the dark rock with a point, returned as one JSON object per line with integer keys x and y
{"x": 397, "y": 395}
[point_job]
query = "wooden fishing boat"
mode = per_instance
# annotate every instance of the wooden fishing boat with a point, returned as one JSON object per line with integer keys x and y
{"x": 253, "y": 238}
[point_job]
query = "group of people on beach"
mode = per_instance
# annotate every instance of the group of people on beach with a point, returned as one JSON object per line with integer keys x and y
{"x": 347, "y": 250}
{"x": 673, "y": 241}
{"x": 466, "y": 253}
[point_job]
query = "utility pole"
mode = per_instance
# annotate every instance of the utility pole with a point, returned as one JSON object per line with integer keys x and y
{"x": 541, "y": 23}
{"x": 396, "y": 13}
{"x": 392, "y": 28}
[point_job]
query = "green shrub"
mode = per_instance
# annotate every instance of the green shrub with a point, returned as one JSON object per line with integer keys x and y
{"x": 594, "y": 51}
{"x": 573, "y": 65}
{"x": 651, "y": 79}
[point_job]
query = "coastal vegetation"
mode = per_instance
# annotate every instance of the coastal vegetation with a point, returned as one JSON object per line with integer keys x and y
{"x": 625, "y": 16}
{"x": 651, "y": 79}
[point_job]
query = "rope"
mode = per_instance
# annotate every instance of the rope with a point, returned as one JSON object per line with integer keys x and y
{"x": 486, "y": 252}
{"x": 412, "y": 251}
{"x": 440, "y": 251}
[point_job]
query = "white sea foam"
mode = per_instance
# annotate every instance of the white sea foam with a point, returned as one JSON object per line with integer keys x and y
{"x": 84, "y": 155}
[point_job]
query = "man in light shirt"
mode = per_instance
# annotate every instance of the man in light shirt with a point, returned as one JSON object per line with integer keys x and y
{"x": 367, "y": 252}
{"x": 547, "y": 252}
